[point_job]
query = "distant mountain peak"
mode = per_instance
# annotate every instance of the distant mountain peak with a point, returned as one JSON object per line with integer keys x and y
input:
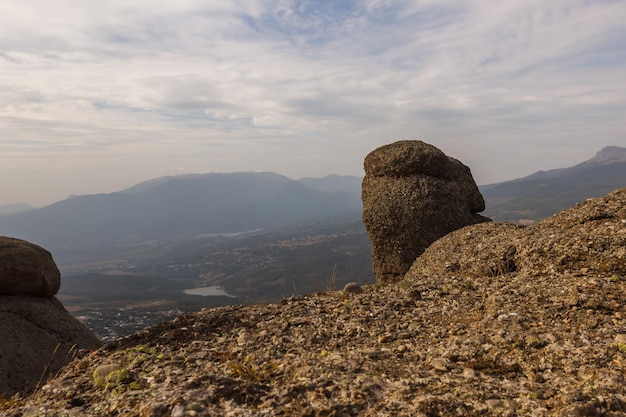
{"x": 14, "y": 208}
{"x": 608, "y": 155}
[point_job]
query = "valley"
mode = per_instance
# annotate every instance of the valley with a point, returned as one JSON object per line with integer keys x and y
{"x": 122, "y": 295}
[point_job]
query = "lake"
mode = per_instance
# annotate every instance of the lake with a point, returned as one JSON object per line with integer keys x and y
{"x": 208, "y": 291}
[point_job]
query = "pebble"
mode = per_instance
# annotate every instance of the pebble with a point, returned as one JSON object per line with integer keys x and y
{"x": 103, "y": 370}
{"x": 352, "y": 288}
{"x": 469, "y": 373}
{"x": 621, "y": 338}
{"x": 178, "y": 411}
{"x": 439, "y": 364}
{"x": 245, "y": 338}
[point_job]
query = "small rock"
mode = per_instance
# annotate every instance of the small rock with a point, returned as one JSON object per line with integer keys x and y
{"x": 414, "y": 294}
{"x": 469, "y": 373}
{"x": 371, "y": 353}
{"x": 440, "y": 364}
{"x": 178, "y": 411}
{"x": 245, "y": 338}
{"x": 621, "y": 338}
{"x": 102, "y": 371}
{"x": 352, "y": 288}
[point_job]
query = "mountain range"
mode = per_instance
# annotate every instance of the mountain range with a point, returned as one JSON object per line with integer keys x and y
{"x": 544, "y": 193}
{"x": 184, "y": 205}
{"x": 258, "y": 235}
{"x": 187, "y": 206}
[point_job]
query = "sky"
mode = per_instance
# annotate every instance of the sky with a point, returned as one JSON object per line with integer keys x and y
{"x": 96, "y": 96}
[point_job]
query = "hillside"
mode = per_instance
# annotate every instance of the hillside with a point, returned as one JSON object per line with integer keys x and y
{"x": 179, "y": 206}
{"x": 493, "y": 320}
{"x": 544, "y": 193}
{"x": 8, "y": 209}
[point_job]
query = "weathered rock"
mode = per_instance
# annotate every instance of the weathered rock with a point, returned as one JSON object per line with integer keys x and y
{"x": 481, "y": 250}
{"x": 590, "y": 237}
{"x": 37, "y": 337}
{"x": 413, "y": 194}
{"x": 28, "y": 269}
{"x": 352, "y": 288}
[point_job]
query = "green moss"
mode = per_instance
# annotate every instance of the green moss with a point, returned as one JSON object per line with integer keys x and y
{"x": 135, "y": 386}
{"x": 620, "y": 346}
{"x": 116, "y": 380}
{"x": 145, "y": 349}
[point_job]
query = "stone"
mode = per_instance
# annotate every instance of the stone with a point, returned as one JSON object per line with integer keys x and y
{"x": 578, "y": 240}
{"x": 27, "y": 269}
{"x": 352, "y": 288}
{"x": 37, "y": 338}
{"x": 413, "y": 194}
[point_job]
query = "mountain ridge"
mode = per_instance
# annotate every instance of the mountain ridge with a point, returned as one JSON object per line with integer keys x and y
{"x": 170, "y": 206}
{"x": 544, "y": 193}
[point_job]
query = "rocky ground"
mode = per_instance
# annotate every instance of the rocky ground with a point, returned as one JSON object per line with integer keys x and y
{"x": 493, "y": 320}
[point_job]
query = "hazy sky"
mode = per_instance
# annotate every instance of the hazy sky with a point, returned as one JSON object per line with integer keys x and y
{"x": 96, "y": 96}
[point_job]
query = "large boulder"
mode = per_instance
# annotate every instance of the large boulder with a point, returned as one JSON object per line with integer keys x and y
{"x": 27, "y": 269}
{"x": 587, "y": 238}
{"x": 413, "y": 194}
{"x": 37, "y": 337}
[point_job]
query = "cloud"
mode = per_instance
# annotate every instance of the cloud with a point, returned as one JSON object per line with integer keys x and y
{"x": 306, "y": 87}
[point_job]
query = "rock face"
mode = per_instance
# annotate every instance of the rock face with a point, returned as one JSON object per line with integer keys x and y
{"x": 27, "y": 269}
{"x": 591, "y": 236}
{"x": 413, "y": 194}
{"x": 37, "y": 335}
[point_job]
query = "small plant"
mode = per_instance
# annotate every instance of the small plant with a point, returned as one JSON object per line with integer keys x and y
{"x": 44, "y": 373}
{"x": 251, "y": 371}
{"x": 6, "y": 403}
{"x": 332, "y": 279}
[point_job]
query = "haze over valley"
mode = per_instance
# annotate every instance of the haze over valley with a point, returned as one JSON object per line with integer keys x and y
{"x": 127, "y": 257}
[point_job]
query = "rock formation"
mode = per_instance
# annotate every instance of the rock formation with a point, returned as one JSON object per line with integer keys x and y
{"x": 37, "y": 335}
{"x": 588, "y": 237}
{"x": 27, "y": 269}
{"x": 413, "y": 194}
